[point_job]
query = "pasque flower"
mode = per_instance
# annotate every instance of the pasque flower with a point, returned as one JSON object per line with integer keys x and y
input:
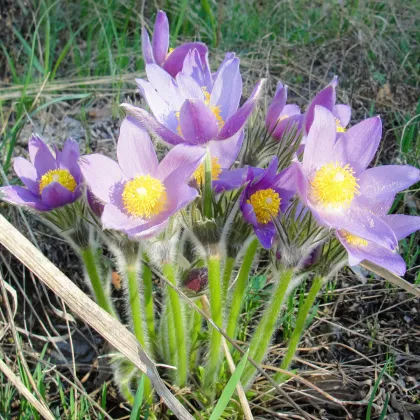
{"x": 327, "y": 98}
{"x": 157, "y": 51}
{"x": 195, "y": 110}
{"x": 282, "y": 117}
{"x": 52, "y": 179}
{"x": 335, "y": 184}
{"x": 265, "y": 195}
{"x": 139, "y": 193}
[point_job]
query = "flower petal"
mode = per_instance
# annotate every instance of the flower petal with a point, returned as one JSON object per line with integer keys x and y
{"x": 402, "y": 225}
{"x": 101, "y": 174}
{"x": 343, "y": 113}
{"x": 181, "y": 161}
{"x": 146, "y": 47}
{"x": 135, "y": 151}
{"x": 227, "y": 88}
{"x": 198, "y": 123}
{"x": 55, "y": 195}
{"x": 227, "y": 150}
{"x": 41, "y": 155}
{"x": 358, "y": 144}
{"x": 237, "y": 121}
{"x": 22, "y": 197}
{"x": 382, "y": 183}
{"x": 27, "y": 173}
{"x": 265, "y": 234}
{"x": 287, "y": 125}
{"x": 375, "y": 253}
{"x": 199, "y": 69}
{"x": 175, "y": 60}
{"x": 321, "y": 139}
{"x": 276, "y": 107}
{"x": 68, "y": 157}
{"x": 151, "y": 124}
{"x": 230, "y": 180}
{"x": 326, "y": 98}
{"x": 189, "y": 88}
{"x": 160, "y": 39}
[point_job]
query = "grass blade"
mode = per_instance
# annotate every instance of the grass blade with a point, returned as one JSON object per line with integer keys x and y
{"x": 375, "y": 388}
{"x": 138, "y": 401}
{"x": 229, "y": 389}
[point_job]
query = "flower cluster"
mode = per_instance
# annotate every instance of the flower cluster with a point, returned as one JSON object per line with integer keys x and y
{"x": 313, "y": 198}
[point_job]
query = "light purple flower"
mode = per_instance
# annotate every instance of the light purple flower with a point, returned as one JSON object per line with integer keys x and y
{"x": 264, "y": 197}
{"x": 335, "y": 184}
{"x": 140, "y": 194}
{"x": 51, "y": 180}
{"x": 282, "y": 117}
{"x": 157, "y": 52}
{"x": 327, "y": 98}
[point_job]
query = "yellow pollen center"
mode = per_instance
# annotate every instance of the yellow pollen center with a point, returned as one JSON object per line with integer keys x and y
{"x": 214, "y": 109}
{"x": 335, "y": 185}
{"x": 353, "y": 239}
{"x": 62, "y": 176}
{"x": 216, "y": 170}
{"x": 144, "y": 196}
{"x": 340, "y": 128}
{"x": 266, "y": 204}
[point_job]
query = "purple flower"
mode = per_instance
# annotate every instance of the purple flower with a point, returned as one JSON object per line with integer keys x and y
{"x": 359, "y": 248}
{"x": 281, "y": 117}
{"x": 264, "y": 197}
{"x": 335, "y": 184}
{"x": 196, "y": 108}
{"x": 52, "y": 180}
{"x": 157, "y": 53}
{"x": 139, "y": 193}
{"x": 327, "y": 98}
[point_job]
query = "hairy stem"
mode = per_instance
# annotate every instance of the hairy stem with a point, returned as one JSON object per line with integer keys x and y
{"x": 216, "y": 352}
{"x": 88, "y": 257}
{"x": 265, "y": 329}
{"x": 178, "y": 323}
{"x": 240, "y": 287}
{"x": 303, "y": 313}
{"x": 196, "y": 322}
{"x": 227, "y": 274}
{"x": 148, "y": 302}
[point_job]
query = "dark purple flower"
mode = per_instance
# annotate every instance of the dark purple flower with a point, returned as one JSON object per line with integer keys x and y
{"x": 52, "y": 180}
{"x": 139, "y": 193}
{"x": 281, "y": 117}
{"x": 327, "y": 98}
{"x": 264, "y": 197}
{"x": 335, "y": 184}
{"x": 157, "y": 52}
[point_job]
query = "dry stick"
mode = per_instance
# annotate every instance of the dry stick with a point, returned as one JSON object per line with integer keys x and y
{"x": 394, "y": 279}
{"x": 106, "y": 325}
{"x": 232, "y": 367}
{"x": 25, "y": 391}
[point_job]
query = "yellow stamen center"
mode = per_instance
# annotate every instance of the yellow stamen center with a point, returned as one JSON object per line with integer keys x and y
{"x": 144, "y": 196}
{"x": 340, "y": 128}
{"x": 216, "y": 170}
{"x": 214, "y": 109}
{"x": 62, "y": 176}
{"x": 353, "y": 239}
{"x": 335, "y": 185}
{"x": 266, "y": 204}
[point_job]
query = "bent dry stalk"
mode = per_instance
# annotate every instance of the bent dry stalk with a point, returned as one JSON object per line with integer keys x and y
{"x": 240, "y": 287}
{"x": 265, "y": 329}
{"x": 177, "y": 328}
{"x": 303, "y": 313}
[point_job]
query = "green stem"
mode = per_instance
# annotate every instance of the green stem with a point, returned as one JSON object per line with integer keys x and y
{"x": 216, "y": 351}
{"x": 195, "y": 331}
{"x": 171, "y": 333}
{"x": 240, "y": 287}
{"x": 265, "y": 329}
{"x": 207, "y": 193}
{"x": 137, "y": 316}
{"x": 91, "y": 266}
{"x": 300, "y": 325}
{"x": 176, "y": 312}
{"x": 148, "y": 302}
{"x": 227, "y": 274}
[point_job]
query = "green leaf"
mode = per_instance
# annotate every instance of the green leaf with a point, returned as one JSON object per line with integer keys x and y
{"x": 229, "y": 389}
{"x": 375, "y": 388}
{"x": 138, "y": 401}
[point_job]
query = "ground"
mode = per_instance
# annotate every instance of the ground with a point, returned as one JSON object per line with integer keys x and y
{"x": 60, "y": 79}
